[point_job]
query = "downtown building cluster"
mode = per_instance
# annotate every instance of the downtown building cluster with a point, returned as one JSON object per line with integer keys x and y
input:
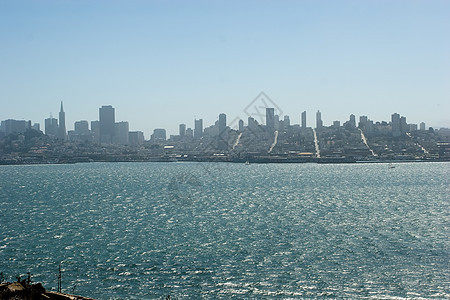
{"x": 266, "y": 137}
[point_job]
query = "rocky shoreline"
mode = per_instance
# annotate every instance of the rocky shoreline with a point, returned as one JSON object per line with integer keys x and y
{"x": 25, "y": 290}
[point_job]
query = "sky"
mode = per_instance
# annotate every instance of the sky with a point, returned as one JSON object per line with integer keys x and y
{"x": 162, "y": 63}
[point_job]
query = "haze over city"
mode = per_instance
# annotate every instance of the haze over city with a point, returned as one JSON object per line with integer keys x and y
{"x": 165, "y": 63}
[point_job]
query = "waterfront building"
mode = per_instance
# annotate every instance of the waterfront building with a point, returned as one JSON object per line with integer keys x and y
{"x": 107, "y": 124}
{"x": 62, "y": 134}
{"x": 304, "y": 119}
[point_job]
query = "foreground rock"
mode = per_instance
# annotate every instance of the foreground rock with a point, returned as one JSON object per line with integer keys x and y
{"x": 21, "y": 290}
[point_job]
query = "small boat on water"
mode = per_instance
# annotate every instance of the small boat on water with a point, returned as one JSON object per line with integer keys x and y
{"x": 391, "y": 166}
{"x": 247, "y": 163}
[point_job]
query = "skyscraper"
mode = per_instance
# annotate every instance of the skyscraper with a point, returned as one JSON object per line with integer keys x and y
{"x": 107, "y": 124}
{"x": 304, "y": 119}
{"x": 287, "y": 122}
{"x": 51, "y": 126}
{"x": 62, "y": 134}
{"x": 182, "y": 130}
{"x": 222, "y": 123}
{"x": 395, "y": 123}
{"x": 270, "y": 119}
{"x": 121, "y": 130}
{"x": 319, "y": 122}
{"x": 241, "y": 125}
{"x": 198, "y": 128}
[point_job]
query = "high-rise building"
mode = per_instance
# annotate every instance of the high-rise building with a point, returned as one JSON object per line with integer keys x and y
{"x": 81, "y": 127}
{"x": 159, "y": 134}
{"x": 62, "y": 134}
{"x": 51, "y": 126}
{"x": 304, "y": 119}
{"x": 15, "y": 126}
{"x": 135, "y": 138}
{"x": 287, "y": 122}
{"x": 189, "y": 133}
{"x": 107, "y": 124}
{"x": 95, "y": 130}
{"x": 403, "y": 125}
{"x": 198, "y": 128}
{"x": 352, "y": 121}
{"x": 319, "y": 123}
{"x": 222, "y": 123}
{"x": 395, "y": 123}
{"x": 182, "y": 130}
{"x": 121, "y": 130}
{"x": 422, "y": 126}
{"x": 270, "y": 119}
{"x": 241, "y": 125}
{"x": 36, "y": 126}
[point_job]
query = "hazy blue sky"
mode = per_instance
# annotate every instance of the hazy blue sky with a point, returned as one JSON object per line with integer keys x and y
{"x": 161, "y": 63}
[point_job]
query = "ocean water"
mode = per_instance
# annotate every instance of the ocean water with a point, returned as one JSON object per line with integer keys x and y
{"x": 229, "y": 231}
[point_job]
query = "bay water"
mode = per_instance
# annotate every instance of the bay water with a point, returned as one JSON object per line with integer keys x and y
{"x": 229, "y": 231}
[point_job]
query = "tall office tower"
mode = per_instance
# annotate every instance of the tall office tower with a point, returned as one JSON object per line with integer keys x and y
{"x": 362, "y": 122}
{"x": 135, "y": 138}
{"x": 422, "y": 126}
{"x": 319, "y": 123}
{"x": 51, "y": 126}
{"x": 95, "y": 130}
{"x": 276, "y": 122}
{"x": 252, "y": 124}
{"x": 403, "y": 125}
{"x": 395, "y": 123}
{"x": 241, "y": 125}
{"x": 287, "y": 122}
{"x": 270, "y": 119}
{"x": 159, "y": 134}
{"x": 81, "y": 127}
{"x": 36, "y": 126}
{"x": 189, "y": 133}
{"x": 198, "y": 128}
{"x": 121, "y": 130}
{"x": 182, "y": 130}
{"x": 336, "y": 124}
{"x": 352, "y": 121}
{"x": 222, "y": 123}
{"x": 107, "y": 124}
{"x": 304, "y": 119}
{"x": 15, "y": 126}
{"x": 62, "y": 134}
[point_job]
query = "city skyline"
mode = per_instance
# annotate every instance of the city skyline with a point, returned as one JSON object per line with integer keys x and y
{"x": 105, "y": 126}
{"x": 160, "y": 64}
